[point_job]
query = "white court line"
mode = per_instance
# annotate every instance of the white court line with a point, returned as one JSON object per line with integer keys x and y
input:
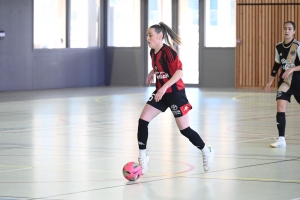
{"x": 48, "y": 166}
{"x": 261, "y": 139}
{"x": 254, "y": 140}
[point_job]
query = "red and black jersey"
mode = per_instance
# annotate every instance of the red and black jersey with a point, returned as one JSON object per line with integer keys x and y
{"x": 165, "y": 63}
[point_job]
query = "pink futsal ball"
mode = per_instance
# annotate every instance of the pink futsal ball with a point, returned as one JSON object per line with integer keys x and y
{"x": 132, "y": 171}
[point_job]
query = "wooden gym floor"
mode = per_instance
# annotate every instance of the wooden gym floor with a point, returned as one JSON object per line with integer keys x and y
{"x": 71, "y": 144}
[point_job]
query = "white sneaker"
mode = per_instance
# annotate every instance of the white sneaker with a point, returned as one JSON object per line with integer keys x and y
{"x": 144, "y": 163}
{"x": 280, "y": 142}
{"x": 208, "y": 159}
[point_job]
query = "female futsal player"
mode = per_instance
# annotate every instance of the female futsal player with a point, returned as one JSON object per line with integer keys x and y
{"x": 286, "y": 56}
{"x": 169, "y": 93}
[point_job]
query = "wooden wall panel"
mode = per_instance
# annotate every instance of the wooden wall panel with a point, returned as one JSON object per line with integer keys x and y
{"x": 260, "y": 27}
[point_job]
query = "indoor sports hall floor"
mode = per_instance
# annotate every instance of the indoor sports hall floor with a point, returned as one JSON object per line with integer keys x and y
{"x": 71, "y": 144}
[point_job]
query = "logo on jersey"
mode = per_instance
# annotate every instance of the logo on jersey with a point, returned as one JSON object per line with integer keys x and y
{"x": 175, "y": 110}
{"x": 287, "y": 64}
{"x": 280, "y": 54}
{"x": 161, "y": 61}
{"x": 185, "y": 108}
{"x": 174, "y": 107}
{"x": 155, "y": 68}
{"x": 279, "y": 93}
{"x": 161, "y": 75}
{"x": 151, "y": 98}
{"x": 293, "y": 53}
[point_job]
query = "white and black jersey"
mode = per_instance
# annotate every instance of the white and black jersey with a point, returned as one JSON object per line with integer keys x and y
{"x": 286, "y": 57}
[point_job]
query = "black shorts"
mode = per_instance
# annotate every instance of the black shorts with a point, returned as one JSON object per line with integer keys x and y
{"x": 176, "y": 101}
{"x": 286, "y": 96}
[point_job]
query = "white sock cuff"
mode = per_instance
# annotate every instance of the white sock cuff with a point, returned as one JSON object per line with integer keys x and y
{"x": 205, "y": 150}
{"x": 143, "y": 153}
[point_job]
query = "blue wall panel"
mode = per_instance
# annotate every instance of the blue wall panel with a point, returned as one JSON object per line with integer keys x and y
{"x": 23, "y": 68}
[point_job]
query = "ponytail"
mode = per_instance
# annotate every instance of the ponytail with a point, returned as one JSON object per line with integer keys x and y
{"x": 167, "y": 32}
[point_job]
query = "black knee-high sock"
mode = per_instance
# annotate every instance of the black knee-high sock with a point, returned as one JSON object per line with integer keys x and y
{"x": 280, "y": 117}
{"x": 194, "y": 137}
{"x": 142, "y": 134}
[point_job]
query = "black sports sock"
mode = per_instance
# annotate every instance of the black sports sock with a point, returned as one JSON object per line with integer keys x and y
{"x": 194, "y": 137}
{"x": 280, "y": 117}
{"x": 142, "y": 134}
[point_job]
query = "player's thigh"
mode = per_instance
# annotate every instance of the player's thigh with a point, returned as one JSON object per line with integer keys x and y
{"x": 149, "y": 112}
{"x": 182, "y": 122}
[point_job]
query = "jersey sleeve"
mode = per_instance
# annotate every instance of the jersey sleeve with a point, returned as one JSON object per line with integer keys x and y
{"x": 175, "y": 65}
{"x": 275, "y": 69}
{"x": 173, "y": 59}
{"x": 298, "y": 52}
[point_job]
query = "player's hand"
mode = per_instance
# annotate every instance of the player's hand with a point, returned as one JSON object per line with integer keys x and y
{"x": 150, "y": 78}
{"x": 268, "y": 87}
{"x": 160, "y": 93}
{"x": 287, "y": 73}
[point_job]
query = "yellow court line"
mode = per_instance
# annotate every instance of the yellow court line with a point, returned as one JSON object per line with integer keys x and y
{"x": 236, "y": 98}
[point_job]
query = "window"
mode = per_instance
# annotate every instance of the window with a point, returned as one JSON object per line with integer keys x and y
{"x": 189, "y": 32}
{"x": 84, "y": 23}
{"x": 124, "y": 23}
{"x": 220, "y": 23}
{"x": 49, "y": 24}
{"x": 158, "y": 11}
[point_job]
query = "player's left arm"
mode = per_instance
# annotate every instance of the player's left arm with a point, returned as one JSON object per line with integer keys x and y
{"x": 288, "y": 71}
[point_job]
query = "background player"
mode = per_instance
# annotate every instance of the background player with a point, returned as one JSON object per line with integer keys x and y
{"x": 286, "y": 56}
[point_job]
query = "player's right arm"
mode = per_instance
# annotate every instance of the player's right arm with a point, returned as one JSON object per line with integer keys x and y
{"x": 268, "y": 85}
{"x": 273, "y": 74}
{"x": 150, "y": 77}
{"x": 275, "y": 69}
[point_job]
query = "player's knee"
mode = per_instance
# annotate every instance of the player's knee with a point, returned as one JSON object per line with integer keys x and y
{"x": 187, "y": 132}
{"x": 194, "y": 137}
{"x": 281, "y": 108}
{"x": 281, "y": 105}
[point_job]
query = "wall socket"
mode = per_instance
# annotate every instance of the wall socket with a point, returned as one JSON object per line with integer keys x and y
{"x": 2, "y": 35}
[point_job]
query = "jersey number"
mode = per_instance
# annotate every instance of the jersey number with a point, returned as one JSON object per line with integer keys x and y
{"x": 150, "y": 99}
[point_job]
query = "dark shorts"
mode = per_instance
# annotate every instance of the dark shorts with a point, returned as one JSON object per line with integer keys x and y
{"x": 286, "y": 96}
{"x": 176, "y": 101}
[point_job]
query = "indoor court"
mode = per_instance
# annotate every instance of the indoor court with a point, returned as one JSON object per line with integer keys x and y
{"x": 71, "y": 144}
{"x": 73, "y": 76}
